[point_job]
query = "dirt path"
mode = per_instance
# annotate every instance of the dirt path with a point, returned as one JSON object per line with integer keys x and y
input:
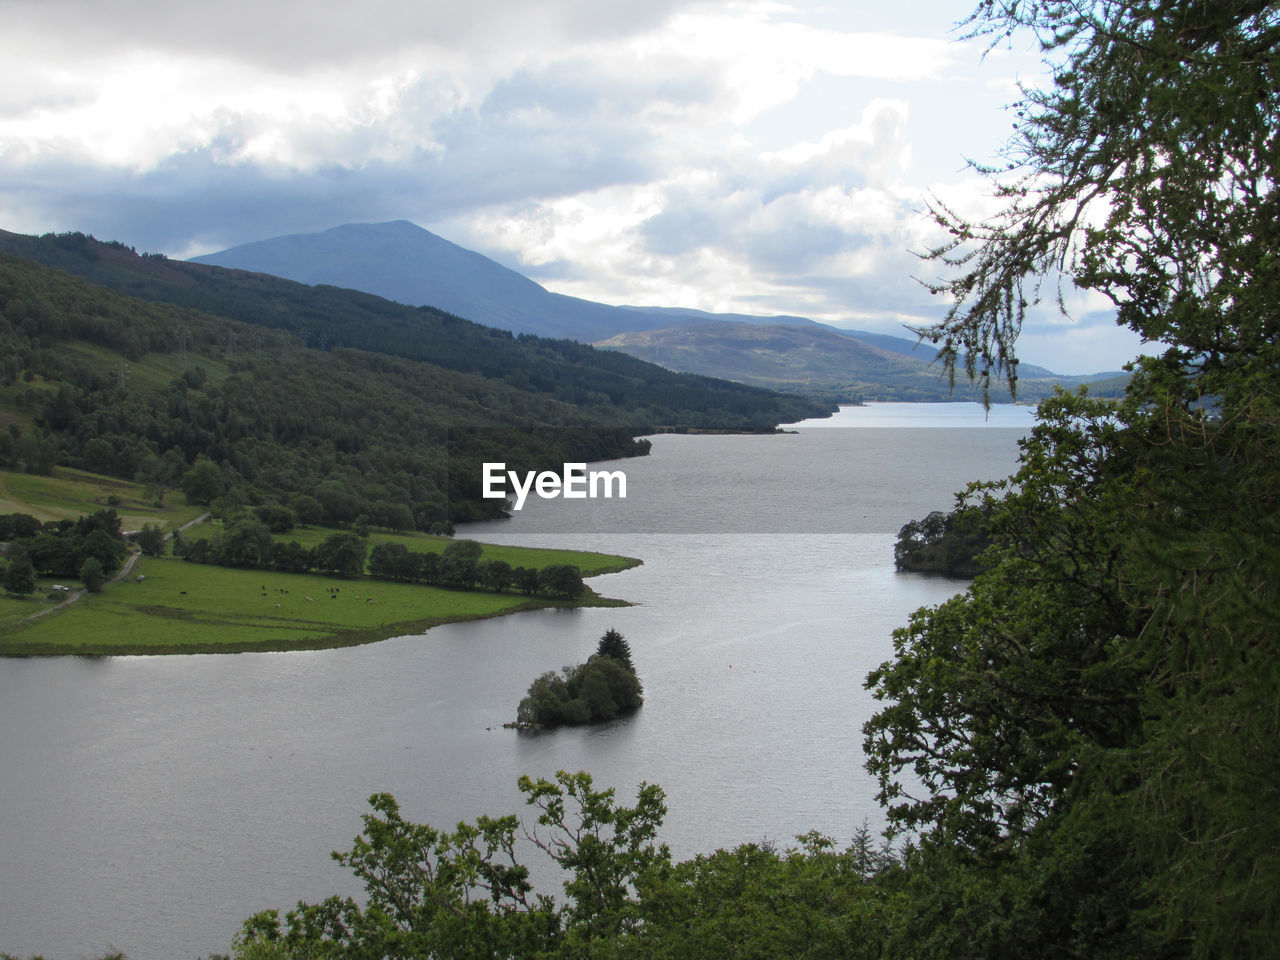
{"x": 134, "y": 555}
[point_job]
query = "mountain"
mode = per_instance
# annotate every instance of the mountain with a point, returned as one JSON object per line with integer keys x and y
{"x": 405, "y": 263}
{"x": 136, "y": 366}
{"x": 812, "y": 359}
{"x": 787, "y": 357}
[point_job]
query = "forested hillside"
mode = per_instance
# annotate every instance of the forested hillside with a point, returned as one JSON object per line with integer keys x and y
{"x": 815, "y": 360}
{"x": 396, "y": 420}
{"x": 621, "y": 390}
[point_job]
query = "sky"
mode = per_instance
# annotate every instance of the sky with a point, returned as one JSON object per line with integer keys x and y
{"x": 755, "y": 157}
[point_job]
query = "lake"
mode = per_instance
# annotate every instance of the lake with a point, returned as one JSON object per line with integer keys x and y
{"x": 150, "y": 804}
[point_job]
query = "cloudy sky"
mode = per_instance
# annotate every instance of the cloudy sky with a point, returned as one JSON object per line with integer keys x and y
{"x": 757, "y": 157}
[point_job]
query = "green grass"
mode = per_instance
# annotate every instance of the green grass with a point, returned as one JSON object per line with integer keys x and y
{"x": 200, "y": 608}
{"x": 13, "y": 609}
{"x": 184, "y": 607}
{"x": 154, "y": 371}
{"x": 70, "y": 493}
{"x": 591, "y": 564}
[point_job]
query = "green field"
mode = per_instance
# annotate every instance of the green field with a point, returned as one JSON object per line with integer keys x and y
{"x": 591, "y": 564}
{"x": 181, "y": 607}
{"x": 71, "y": 493}
{"x": 13, "y": 609}
{"x": 184, "y": 607}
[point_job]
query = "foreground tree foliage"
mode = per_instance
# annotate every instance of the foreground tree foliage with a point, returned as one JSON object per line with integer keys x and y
{"x": 1082, "y": 745}
{"x": 464, "y": 894}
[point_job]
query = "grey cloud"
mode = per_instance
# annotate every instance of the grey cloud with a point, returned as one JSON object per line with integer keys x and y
{"x": 797, "y": 247}
{"x": 578, "y": 87}
{"x": 299, "y": 34}
{"x": 200, "y": 198}
{"x": 689, "y": 221}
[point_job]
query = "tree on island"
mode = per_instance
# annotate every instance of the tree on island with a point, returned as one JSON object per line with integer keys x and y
{"x": 946, "y": 543}
{"x": 613, "y": 644}
{"x": 603, "y": 688}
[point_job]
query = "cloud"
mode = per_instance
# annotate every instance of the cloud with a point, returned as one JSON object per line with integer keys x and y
{"x": 822, "y": 228}
{"x": 300, "y": 36}
{"x": 605, "y": 147}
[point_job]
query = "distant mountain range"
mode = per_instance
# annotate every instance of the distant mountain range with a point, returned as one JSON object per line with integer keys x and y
{"x": 403, "y": 262}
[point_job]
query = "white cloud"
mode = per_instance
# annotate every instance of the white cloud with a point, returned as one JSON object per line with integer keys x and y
{"x": 604, "y": 147}
{"x": 300, "y": 36}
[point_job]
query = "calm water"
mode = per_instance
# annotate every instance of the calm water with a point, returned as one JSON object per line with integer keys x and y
{"x": 151, "y": 804}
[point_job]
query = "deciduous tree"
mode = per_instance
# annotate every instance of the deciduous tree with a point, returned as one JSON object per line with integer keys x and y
{"x": 1081, "y": 742}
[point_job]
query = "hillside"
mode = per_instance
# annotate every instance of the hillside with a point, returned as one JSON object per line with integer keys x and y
{"x": 394, "y": 431}
{"x": 625, "y": 392}
{"x": 812, "y": 359}
{"x": 405, "y": 263}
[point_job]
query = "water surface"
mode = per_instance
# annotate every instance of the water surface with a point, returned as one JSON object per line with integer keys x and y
{"x": 150, "y": 804}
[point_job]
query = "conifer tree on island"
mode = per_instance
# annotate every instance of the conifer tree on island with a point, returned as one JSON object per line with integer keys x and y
{"x": 614, "y": 645}
{"x": 603, "y": 688}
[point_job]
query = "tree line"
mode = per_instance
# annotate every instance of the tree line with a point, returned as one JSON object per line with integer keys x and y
{"x": 246, "y": 540}
{"x": 90, "y": 549}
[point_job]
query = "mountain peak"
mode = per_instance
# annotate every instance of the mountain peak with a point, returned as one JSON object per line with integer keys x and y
{"x": 402, "y": 261}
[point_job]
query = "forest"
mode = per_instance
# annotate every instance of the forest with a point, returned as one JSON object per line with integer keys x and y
{"x": 393, "y": 426}
{"x": 1076, "y": 755}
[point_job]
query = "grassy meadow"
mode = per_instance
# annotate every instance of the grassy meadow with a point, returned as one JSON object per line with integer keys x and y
{"x": 184, "y": 607}
{"x": 591, "y": 564}
{"x": 180, "y": 607}
{"x": 71, "y": 493}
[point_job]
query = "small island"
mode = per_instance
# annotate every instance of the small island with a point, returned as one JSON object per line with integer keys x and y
{"x": 603, "y": 688}
{"x": 950, "y": 544}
